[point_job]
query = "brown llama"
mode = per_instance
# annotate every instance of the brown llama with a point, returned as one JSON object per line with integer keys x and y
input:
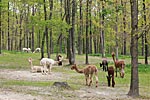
{"x": 119, "y": 65}
{"x": 104, "y": 64}
{"x": 111, "y": 75}
{"x": 88, "y": 72}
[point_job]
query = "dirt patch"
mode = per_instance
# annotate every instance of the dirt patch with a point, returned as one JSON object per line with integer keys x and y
{"x": 51, "y": 93}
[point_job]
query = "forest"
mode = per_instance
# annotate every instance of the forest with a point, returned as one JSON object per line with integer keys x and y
{"x": 78, "y": 27}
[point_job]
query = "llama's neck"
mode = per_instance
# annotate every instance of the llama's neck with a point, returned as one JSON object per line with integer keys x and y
{"x": 31, "y": 64}
{"x": 79, "y": 70}
{"x": 114, "y": 58}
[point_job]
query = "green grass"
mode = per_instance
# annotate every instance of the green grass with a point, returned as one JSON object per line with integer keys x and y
{"x": 26, "y": 83}
{"x": 19, "y": 61}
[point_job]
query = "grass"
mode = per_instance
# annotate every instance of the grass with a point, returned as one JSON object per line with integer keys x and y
{"x": 18, "y": 61}
{"x": 26, "y": 83}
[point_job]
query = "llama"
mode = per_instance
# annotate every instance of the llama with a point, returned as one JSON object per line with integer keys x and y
{"x": 34, "y": 68}
{"x": 26, "y": 49}
{"x": 37, "y": 50}
{"x": 59, "y": 58}
{"x": 111, "y": 75}
{"x": 120, "y": 65}
{"x": 104, "y": 64}
{"x": 47, "y": 64}
{"x": 88, "y": 72}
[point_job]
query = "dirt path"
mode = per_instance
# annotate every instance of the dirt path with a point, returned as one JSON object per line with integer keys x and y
{"x": 51, "y": 93}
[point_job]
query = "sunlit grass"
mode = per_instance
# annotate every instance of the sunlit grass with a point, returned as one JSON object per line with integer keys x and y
{"x": 26, "y": 83}
{"x": 19, "y": 60}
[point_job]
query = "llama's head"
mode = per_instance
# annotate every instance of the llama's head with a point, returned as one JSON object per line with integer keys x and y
{"x": 100, "y": 64}
{"x": 73, "y": 67}
{"x": 113, "y": 54}
{"x": 30, "y": 60}
{"x": 122, "y": 72}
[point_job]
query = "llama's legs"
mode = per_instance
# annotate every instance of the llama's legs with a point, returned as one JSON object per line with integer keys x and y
{"x": 113, "y": 81}
{"x": 106, "y": 68}
{"x": 44, "y": 70}
{"x": 108, "y": 79}
{"x": 49, "y": 70}
{"x": 103, "y": 67}
{"x": 86, "y": 79}
{"x": 90, "y": 79}
{"x": 116, "y": 72}
{"x": 96, "y": 77}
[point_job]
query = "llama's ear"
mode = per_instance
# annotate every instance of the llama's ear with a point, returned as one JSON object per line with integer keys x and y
{"x": 29, "y": 58}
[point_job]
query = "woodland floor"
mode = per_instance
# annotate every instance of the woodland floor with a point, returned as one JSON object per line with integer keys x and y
{"x": 103, "y": 92}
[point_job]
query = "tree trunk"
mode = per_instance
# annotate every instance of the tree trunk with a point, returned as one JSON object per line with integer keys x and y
{"x": 8, "y": 30}
{"x": 67, "y": 9}
{"x": 32, "y": 47}
{"x": 42, "y": 46}
{"x": 146, "y": 43}
{"x": 134, "y": 85}
{"x": 46, "y": 30}
{"x": 116, "y": 29}
{"x": 80, "y": 30}
{"x": 124, "y": 27}
{"x": 87, "y": 38}
{"x": 72, "y": 35}
{"x": 50, "y": 17}
{"x": 102, "y": 30}
{"x": 20, "y": 28}
{"x": 90, "y": 44}
{"x": 0, "y": 27}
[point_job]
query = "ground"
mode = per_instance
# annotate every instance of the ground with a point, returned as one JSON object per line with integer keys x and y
{"x": 103, "y": 92}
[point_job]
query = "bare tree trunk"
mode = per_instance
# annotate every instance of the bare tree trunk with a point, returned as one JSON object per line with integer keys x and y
{"x": 124, "y": 26}
{"x": 146, "y": 43}
{"x": 8, "y": 30}
{"x": 102, "y": 31}
{"x": 72, "y": 35}
{"x": 134, "y": 85}
{"x": 50, "y": 17}
{"x": 46, "y": 30}
{"x": 20, "y": 28}
{"x": 80, "y": 30}
{"x": 68, "y": 22}
{"x": 16, "y": 33}
{"x": 90, "y": 44}
{"x": 87, "y": 38}
{"x": 0, "y": 28}
{"x": 32, "y": 47}
{"x": 42, "y": 46}
{"x": 116, "y": 29}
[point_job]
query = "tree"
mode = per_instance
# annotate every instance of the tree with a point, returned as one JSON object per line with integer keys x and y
{"x": 45, "y": 34}
{"x": 102, "y": 37}
{"x": 87, "y": 25}
{"x": 134, "y": 85}
{"x": 146, "y": 42}
{"x": 50, "y": 17}
{"x": 80, "y": 30}
{"x": 8, "y": 28}
{"x": 116, "y": 29}
{"x": 123, "y": 3}
{"x": 0, "y": 26}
